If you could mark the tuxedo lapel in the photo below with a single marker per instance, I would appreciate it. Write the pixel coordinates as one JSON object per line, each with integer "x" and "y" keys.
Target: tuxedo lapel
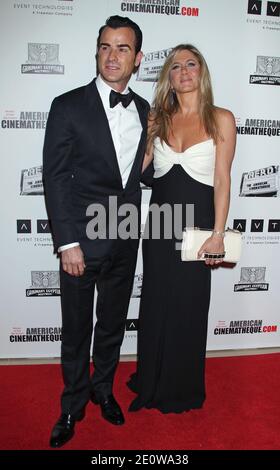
{"x": 101, "y": 129}
{"x": 141, "y": 111}
{"x": 102, "y": 134}
{"x": 142, "y": 142}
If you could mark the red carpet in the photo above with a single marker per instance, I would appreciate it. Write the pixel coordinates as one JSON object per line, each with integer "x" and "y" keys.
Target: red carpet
{"x": 242, "y": 410}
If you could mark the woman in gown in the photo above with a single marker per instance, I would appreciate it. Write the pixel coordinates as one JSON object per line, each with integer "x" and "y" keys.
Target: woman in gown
{"x": 191, "y": 143}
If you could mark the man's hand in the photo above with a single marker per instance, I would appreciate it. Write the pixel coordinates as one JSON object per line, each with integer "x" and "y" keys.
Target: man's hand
{"x": 73, "y": 261}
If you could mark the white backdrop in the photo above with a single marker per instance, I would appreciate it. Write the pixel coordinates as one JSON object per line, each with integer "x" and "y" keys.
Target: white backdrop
{"x": 47, "y": 47}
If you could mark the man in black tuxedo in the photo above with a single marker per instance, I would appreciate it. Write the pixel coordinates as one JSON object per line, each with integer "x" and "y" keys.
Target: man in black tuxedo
{"x": 94, "y": 147}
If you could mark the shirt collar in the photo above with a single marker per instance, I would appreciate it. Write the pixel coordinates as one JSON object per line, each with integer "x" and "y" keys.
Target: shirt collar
{"x": 104, "y": 90}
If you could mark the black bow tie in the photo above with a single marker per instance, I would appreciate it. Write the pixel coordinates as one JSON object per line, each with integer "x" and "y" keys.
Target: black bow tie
{"x": 116, "y": 98}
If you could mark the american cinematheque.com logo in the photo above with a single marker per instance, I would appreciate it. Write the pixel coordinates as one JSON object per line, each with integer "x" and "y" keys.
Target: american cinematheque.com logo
{"x": 263, "y": 182}
{"x": 267, "y": 71}
{"x": 251, "y": 279}
{"x": 158, "y": 7}
{"x": 43, "y": 59}
{"x": 35, "y": 334}
{"x": 24, "y": 119}
{"x": 241, "y": 327}
{"x": 257, "y": 126}
{"x": 44, "y": 284}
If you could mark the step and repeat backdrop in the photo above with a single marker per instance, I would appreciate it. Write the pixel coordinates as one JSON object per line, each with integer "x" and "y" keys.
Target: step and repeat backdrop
{"x": 48, "y": 47}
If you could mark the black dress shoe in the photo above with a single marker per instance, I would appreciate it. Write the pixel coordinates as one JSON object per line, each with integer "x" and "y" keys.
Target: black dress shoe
{"x": 63, "y": 429}
{"x": 110, "y": 409}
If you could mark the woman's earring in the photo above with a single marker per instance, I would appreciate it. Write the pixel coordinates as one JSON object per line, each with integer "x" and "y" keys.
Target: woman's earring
{"x": 172, "y": 96}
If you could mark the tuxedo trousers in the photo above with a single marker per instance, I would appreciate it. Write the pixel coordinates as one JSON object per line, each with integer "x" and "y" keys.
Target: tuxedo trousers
{"x": 113, "y": 277}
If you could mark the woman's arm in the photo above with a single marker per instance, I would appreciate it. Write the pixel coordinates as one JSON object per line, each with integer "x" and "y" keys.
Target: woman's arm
{"x": 147, "y": 159}
{"x": 150, "y": 148}
{"x": 224, "y": 156}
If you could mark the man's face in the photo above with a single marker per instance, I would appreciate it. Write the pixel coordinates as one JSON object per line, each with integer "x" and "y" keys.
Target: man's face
{"x": 116, "y": 56}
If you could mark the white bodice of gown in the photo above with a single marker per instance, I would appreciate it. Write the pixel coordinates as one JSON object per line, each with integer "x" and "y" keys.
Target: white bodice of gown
{"x": 198, "y": 160}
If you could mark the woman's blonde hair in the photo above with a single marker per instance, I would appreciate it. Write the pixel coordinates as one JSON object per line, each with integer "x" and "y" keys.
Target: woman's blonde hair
{"x": 165, "y": 103}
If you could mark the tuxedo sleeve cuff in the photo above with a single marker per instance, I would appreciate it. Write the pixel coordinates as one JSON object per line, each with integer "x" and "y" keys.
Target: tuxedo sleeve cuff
{"x": 66, "y": 247}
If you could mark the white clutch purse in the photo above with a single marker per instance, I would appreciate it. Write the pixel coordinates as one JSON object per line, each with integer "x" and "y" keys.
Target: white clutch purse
{"x": 193, "y": 239}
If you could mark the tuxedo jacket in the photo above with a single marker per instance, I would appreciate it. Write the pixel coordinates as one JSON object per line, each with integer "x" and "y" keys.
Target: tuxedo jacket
{"x": 80, "y": 167}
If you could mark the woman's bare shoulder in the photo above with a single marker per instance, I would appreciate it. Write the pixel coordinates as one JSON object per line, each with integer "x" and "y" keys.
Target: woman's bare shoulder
{"x": 224, "y": 116}
{"x": 226, "y": 124}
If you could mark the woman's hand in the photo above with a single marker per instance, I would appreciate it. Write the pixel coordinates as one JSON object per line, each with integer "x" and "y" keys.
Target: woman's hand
{"x": 213, "y": 244}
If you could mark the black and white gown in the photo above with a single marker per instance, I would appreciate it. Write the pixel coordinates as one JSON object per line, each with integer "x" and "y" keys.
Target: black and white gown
{"x": 175, "y": 294}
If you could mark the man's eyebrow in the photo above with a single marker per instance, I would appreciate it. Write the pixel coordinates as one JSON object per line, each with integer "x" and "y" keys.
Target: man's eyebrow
{"x": 118, "y": 45}
{"x": 124, "y": 45}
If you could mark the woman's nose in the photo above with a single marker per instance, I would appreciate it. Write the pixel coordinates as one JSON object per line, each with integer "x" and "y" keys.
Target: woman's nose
{"x": 184, "y": 68}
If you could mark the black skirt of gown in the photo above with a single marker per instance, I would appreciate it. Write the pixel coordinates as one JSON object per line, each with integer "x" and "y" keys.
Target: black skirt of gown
{"x": 174, "y": 307}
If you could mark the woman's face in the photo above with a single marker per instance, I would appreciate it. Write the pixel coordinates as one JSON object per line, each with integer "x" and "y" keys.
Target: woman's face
{"x": 184, "y": 72}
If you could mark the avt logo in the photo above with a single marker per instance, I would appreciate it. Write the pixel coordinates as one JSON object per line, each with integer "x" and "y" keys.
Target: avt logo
{"x": 273, "y": 9}
{"x": 24, "y": 226}
{"x": 257, "y": 225}
{"x": 43, "y": 226}
{"x": 255, "y": 8}
{"x": 239, "y": 224}
{"x": 274, "y": 225}
{"x": 131, "y": 324}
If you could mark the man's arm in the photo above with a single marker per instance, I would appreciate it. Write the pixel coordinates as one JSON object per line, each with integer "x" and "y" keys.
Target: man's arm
{"x": 57, "y": 174}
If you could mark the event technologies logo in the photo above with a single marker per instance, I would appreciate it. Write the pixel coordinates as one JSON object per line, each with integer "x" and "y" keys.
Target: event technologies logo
{"x": 43, "y": 59}
{"x": 56, "y": 7}
{"x": 44, "y": 284}
{"x": 43, "y": 236}
{"x": 261, "y": 232}
{"x": 264, "y": 14}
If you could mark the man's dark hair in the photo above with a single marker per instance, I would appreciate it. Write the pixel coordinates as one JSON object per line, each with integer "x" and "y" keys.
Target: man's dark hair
{"x": 122, "y": 22}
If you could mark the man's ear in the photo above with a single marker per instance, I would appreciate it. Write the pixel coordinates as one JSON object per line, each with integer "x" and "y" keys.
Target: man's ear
{"x": 138, "y": 58}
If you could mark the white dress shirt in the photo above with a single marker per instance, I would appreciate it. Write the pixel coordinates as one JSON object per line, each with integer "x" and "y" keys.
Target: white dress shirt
{"x": 125, "y": 127}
